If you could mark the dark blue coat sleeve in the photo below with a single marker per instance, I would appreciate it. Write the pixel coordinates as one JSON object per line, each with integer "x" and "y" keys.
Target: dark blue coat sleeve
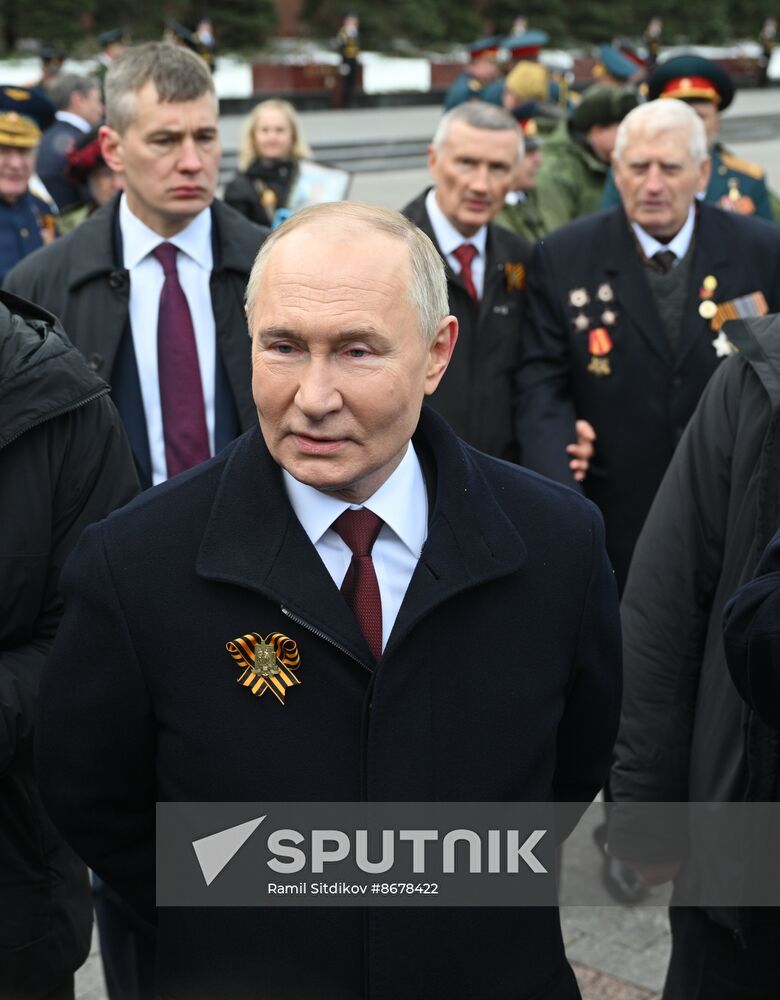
{"x": 751, "y": 635}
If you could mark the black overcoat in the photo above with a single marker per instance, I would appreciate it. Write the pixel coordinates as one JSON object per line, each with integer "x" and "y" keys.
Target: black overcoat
{"x": 475, "y": 395}
{"x": 640, "y": 408}
{"x": 81, "y": 279}
{"x": 500, "y": 681}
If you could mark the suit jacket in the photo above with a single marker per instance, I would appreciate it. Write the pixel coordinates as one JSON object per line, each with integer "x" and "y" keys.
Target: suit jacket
{"x": 151, "y": 599}
{"x": 82, "y": 280}
{"x": 637, "y": 395}
{"x": 475, "y": 395}
{"x": 50, "y": 163}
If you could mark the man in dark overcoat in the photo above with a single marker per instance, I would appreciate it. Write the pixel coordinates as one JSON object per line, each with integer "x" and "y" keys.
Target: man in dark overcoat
{"x": 625, "y": 309}
{"x": 470, "y": 653}
{"x": 107, "y": 284}
{"x": 472, "y": 160}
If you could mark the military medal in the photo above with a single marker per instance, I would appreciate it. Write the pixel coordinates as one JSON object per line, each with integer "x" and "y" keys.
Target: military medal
{"x": 609, "y": 317}
{"x": 707, "y": 309}
{"x": 605, "y": 293}
{"x": 579, "y": 298}
{"x": 723, "y": 346}
{"x": 600, "y": 345}
{"x": 581, "y": 322}
{"x": 267, "y": 663}
{"x": 708, "y": 287}
{"x": 742, "y": 308}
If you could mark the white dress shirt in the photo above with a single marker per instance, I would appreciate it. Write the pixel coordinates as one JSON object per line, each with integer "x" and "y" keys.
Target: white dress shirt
{"x": 679, "y": 245}
{"x": 72, "y": 119}
{"x": 449, "y": 239}
{"x": 193, "y": 264}
{"x": 401, "y": 502}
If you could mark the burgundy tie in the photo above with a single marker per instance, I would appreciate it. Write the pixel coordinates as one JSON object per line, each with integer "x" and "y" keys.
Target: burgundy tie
{"x": 181, "y": 393}
{"x": 465, "y": 254}
{"x": 359, "y": 528}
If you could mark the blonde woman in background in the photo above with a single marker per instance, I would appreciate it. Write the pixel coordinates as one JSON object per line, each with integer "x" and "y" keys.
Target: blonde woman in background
{"x": 272, "y": 143}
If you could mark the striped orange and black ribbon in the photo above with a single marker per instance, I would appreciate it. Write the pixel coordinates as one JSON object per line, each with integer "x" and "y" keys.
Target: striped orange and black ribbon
{"x": 288, "y": 660}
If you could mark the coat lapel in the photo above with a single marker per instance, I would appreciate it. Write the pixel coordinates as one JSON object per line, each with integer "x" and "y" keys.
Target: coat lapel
{"x": 254, "y": 540}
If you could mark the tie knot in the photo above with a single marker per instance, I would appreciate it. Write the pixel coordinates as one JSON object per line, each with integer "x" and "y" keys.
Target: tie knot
{"x": 358, "y": 528}
{"x": 465, "y": 254}
{"x": 166, "y": 254}
{"x": 665, "y": 259}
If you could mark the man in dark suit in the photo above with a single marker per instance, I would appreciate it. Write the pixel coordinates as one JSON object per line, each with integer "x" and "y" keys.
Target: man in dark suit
{"x": 79, "y": 109}
{"x": 472, "y": 160}
{"x": 625, "y": 310}
{"x": 171, "y": 340}
{"x": 482, "y": 602}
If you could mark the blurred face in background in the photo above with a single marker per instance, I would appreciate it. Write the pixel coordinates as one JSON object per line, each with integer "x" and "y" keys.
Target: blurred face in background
{"x": 16, "y": 167}
{"x": 525, "y": 175}
{"x": 273, "y": 135}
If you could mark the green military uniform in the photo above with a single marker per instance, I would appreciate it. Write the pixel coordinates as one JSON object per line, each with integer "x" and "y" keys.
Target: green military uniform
{"x": 571, "y": 179}
{"x": 524, "y": 216}
{"x": 741, "y": 183}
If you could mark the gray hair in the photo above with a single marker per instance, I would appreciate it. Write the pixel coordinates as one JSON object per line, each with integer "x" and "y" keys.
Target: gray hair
{"x": 427, "y": 291}
{"x": 64, "y": 86}
{"x": 666, "y": 114}
{"x": 177, "y": 75}
{"x": 478, "y": 114}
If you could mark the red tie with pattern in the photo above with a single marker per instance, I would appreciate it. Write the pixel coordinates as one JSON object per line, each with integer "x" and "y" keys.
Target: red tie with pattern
{"x": 359, "y": 528}
{"x": 181, "y": 392}
{"x": 465, "y": 254}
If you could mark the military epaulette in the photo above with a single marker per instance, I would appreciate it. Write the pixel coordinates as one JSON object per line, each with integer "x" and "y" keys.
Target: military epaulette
{"x": 743, "y": 166}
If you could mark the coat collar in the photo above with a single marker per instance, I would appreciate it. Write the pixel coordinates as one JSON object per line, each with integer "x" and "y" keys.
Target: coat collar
{"x": 96, "y": 247}
{"x": 253, "y": 539}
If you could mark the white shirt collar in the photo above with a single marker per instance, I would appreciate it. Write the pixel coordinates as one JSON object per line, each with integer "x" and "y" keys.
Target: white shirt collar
{"x": 72, "y": 119}
{"x": 679, "y": 245}
{"x": 401, "y": 501}
{"x": 447, "y": 236}
{"x": 138, "y": 240}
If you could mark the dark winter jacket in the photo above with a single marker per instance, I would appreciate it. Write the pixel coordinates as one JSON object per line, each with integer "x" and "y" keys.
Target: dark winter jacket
{"x": 64, "y": 462}
{"x": 685, "y": 733}
{"x": 261, "y": 189}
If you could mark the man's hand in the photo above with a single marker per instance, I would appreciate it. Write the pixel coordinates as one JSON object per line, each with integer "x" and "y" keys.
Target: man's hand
{"x": 582, "y": 450}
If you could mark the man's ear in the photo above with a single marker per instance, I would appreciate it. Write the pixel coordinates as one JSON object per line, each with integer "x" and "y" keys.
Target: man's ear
{"x": 440, "y": 352}
{"x": 111, "y": 148}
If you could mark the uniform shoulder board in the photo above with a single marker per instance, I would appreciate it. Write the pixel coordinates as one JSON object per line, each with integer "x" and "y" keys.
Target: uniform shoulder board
{"x": 743, "y": 166}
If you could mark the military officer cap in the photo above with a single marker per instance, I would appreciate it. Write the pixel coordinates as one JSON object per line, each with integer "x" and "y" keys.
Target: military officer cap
{"x": 602, "y": 104}
{"x": 692, "y": 78}
{"x": 24, "y": 114}
{"x": 526, "y": 46}
{"x": 485, "y": 48}
{"x": 613, "y": 62}
{"x": 110, "y": 37}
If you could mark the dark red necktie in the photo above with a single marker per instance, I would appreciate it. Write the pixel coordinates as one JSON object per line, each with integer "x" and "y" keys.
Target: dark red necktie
{"x": 465, "y": 254}
{"x": 181, "y": 392}
{"x": 359, "y": 528}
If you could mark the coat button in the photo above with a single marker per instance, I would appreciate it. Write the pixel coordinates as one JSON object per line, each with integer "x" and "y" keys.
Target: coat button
{"x": 95, "y": 362}
{"x": 117, "y": 279}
